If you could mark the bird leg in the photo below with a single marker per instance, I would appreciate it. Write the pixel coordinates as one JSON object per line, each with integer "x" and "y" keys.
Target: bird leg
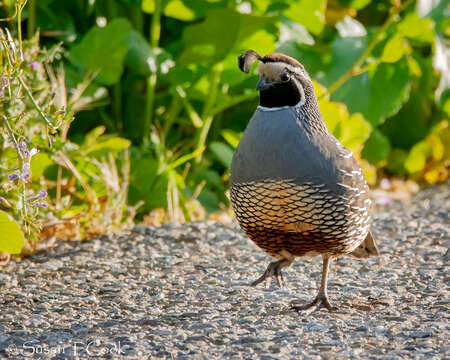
{"x": 274, "y": 269}
{"x": 321, "y": 299}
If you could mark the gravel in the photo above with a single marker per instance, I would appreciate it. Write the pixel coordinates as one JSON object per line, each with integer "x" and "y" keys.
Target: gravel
{"x": 180, "y": 292}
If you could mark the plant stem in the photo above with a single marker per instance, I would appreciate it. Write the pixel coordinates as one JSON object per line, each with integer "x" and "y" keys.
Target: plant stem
{"x": 208, "y": 110}
{"x": 19, "y": 26}
{"x": 155, "y": 33}
{"x": 31, "y": 25}
{"x": 117, "y": 106}
{"x": 35, "y": 104}
{"x": 155, "y": 26}
{"x": 23, "y": 210}
{"x": 355, "y": 70}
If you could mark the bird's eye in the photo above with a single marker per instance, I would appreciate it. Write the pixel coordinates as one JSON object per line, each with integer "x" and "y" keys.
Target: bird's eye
{"x": 285, "y": 77}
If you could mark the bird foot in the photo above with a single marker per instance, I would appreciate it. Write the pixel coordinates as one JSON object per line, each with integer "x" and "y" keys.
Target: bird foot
{"x": 321, "y": 301}
{"x": 273, "y": 270}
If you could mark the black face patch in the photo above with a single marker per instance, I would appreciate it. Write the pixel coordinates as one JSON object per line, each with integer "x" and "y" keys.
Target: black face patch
{"x": 280, "y": 94}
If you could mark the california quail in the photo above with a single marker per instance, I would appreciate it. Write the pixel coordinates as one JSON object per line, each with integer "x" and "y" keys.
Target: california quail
{"x": 295, "y": 189}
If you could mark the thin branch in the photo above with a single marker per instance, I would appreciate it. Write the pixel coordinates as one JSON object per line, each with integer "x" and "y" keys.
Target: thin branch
{"x": 355, "y": 70}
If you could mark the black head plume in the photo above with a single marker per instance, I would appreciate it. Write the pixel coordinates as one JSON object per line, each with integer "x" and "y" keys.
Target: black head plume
{"x": 247, "y": 59}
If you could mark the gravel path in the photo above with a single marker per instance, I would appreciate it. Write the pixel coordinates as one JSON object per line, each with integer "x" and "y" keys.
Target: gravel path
{"x": 180, "y": 292}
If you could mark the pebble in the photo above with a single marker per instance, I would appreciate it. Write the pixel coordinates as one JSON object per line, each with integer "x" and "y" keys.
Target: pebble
{"x": 181, "y": 292}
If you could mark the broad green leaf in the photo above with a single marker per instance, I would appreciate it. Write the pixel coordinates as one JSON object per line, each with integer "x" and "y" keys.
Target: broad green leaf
{"x": 333, "y": 113}
{"x": 103, "y": 50}
{"x": 350, "y": 27}
{"x": 143, "y": 59}
{"x": 39, "y": 163}
{"x": 417, "y": 28}
{"x": 309, "y": 13}
{"x": 417, "y": 157}
{"x": 354, "y": 132}
{"x": 294, "y": 31}
{"x": 212, "y": 39}
{"x": 389, "y": 89}
{"x": 146, "y": 185}
{"x": 395, "y": 48}
{"x": 377, "y": 94}
{"x": 377, "y": 148}
{"x": 225, "y": 31}
{"x": 345, "y": 52}
{"x": 11, "y": 237}
{"x": 223, "y": 152}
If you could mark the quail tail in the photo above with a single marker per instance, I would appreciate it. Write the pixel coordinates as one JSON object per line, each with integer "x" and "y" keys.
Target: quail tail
{"x": 274, "y": 270}
{"x": 321, "y": 299}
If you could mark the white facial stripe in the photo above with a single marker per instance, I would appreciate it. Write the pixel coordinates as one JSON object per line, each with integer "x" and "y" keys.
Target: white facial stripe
{"x": 302, "y": 92}
{"x": 264, "y": 108}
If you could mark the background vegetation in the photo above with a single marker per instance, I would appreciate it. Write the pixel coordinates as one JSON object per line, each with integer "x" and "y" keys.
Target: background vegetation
{"x": 114, "y": 108}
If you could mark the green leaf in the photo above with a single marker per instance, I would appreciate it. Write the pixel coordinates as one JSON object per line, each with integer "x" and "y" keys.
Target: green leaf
{"x": 146, "y": 185}
{"x": 177, "y": 10}
{"x": 396, "y": 161}
{"x": 417, "y": 28}
{"x": 309, "y": 13}
{"x": 11, "y": 237}
{"x": 223, "y": 152}
{"x": 345, "y": 53}
{"x": 354, "y": 132}
{"x": 377, "y": 94}
{"x": 224, "y": 31}
{"x": 417, "y": 157}
{"x": 39, "y": 163}
{"x": 103, "y": 50}
{"x": 143, "y": 59}
{"x": 395, "y": 48}
{"x": 376, "y": 148}
{"x": 294, "y": 31}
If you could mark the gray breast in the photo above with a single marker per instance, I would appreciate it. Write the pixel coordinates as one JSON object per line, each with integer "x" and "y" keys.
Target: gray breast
{"x": 276, "y": 146}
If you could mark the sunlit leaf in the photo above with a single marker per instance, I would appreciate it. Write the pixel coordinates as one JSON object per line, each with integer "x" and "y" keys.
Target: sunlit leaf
{"x": 395, "y": 48}
{"x": 354, "y": 132}
{"x": 309, "y": 13}
{"x": 11, "y": 237}
{"x": 350, "y": 27}
{"x": 417, "y": 28}
{"x": 294, "y": 31}
{"x": 417, "y": 157}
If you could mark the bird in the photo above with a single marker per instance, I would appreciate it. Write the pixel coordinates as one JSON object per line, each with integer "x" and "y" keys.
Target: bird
{"x": 294, "y": 188}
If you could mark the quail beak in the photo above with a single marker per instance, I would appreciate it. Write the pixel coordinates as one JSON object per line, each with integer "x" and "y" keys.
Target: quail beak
{"x": 262, "y": 84}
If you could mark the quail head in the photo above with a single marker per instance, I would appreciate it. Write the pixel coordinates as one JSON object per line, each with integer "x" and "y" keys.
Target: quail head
{"x": 295, "y": 190}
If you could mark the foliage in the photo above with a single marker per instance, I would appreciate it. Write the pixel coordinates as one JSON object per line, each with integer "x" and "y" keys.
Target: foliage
{"x": 161, "y": 75}
{"x": 88, "y": 195}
